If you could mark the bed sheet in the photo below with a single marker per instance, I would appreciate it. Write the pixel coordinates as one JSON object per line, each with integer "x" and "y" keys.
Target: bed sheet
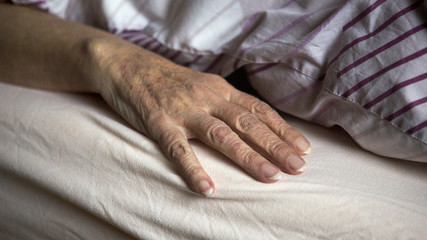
{"x": 70, "y": 168}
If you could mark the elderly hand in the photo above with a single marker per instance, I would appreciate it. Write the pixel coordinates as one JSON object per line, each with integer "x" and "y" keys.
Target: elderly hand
{"x": 172, "y": 104}
{"x": 169, "y": 103}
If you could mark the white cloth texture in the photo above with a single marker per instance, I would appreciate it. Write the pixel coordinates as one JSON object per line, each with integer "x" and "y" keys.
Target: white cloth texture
{"x": 70, "y": 168}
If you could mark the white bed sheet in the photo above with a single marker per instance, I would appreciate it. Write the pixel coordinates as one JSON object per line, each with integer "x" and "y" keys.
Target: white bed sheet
{"x": 70, "y": 168}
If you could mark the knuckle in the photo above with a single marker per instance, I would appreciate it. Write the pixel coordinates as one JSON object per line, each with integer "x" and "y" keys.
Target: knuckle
{"x": 261, "y": 108}
{"x": 213, "y": 77}
{"x": 219, "y": 133}
{"x": 98, "y": 48}
{"x": 265, "y": 136}
{"x": 191, "y": 169}
{"x": 201, "y": 93}
{"x": 236, "y": 145}
{"x": 278, "y": 147}
{"x": 199, "y": 87}
{"x": 284, "y": 129}
{"x": 178, "y": 151}
{"x": 156, "y": 130}
{"x": 250, "y": 158}
{"x": 246, "y": 122}
{"x": 289, "y": 133}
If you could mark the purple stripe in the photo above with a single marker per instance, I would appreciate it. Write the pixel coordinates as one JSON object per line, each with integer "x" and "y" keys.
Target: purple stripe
{"x": 363, "y": 14}
{"x": 39, "y": 5}
{"x": 299, "y": 47}
{"x": 262, "y": 68}
{"x": 159, "y": 45}
{"x": 164, "y": 53}
{"x": 214, "y": 63}
{"x": 143, "y": 41}
{"x": 146, "y": 45}
{"x": 406, "y": 108}
{"x": 299, "y": 91}
{"x": 210, "y": 21}
{"x": 384, "y": 70}
{"x": 254, "y": 16}
{"x": 394, "y": 89}
{"x": 382, "y": 48}
{"x": 294, "y": 94}
{"x": 417, "y": 128}
{"x": 175, "y": 55}
{"x": 36, "y": 3}
{"x": 250, "y": 21}
{"x": 131, "y": 31}
{"x": 195, "y": 60}
{"x": 379, "y": 29}
{"x": 137, "y": 39}
{"x": 284, "y": 30}
{"x": 128, "y": 36}
{"x": 324, "y": 109}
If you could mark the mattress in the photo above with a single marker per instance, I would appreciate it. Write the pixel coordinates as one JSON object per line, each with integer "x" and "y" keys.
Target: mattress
{"x": 71, "y": 168}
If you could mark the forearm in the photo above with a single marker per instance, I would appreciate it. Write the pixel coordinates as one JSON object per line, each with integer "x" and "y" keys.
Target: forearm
{"x": 41, "y": 50}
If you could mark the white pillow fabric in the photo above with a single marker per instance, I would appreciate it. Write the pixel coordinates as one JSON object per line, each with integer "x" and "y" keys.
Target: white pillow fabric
{"x": 356, "y": 64}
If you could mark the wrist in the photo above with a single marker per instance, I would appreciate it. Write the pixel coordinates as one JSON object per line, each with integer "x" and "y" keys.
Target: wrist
{"x": 114, "y": 63}
{"x": 93, "y": 63}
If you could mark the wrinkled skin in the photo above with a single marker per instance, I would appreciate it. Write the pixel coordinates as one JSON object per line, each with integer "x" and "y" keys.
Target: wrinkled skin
{"x": 167, "y": 102}
{"x": 172, "y": 104}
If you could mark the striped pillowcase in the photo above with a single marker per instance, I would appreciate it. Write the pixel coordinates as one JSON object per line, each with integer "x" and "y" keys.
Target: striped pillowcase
{"x": 373, "y": 82}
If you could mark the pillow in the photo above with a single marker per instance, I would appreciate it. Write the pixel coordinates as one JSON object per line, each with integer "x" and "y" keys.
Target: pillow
{"x": 372, "y": 81}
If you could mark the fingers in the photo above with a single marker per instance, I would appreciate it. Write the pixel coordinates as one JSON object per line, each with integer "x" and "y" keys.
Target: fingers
{"x": 175, "y": 145}
{"x": 216, "y": 134}
{"x": 255, "y": 132}
{"x": 273, "y": 120}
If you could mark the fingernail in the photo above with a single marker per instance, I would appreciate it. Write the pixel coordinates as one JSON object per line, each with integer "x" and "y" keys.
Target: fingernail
{"x": 302, "y": 145}
{"x": 205, "y": 188}
{"x": 270, "y": 172}
{"x": 296, "y": 163}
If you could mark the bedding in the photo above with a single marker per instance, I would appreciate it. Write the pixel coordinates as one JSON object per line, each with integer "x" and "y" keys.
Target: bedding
{"x": 70, "y": 168}
{"x": 356, "y": 64}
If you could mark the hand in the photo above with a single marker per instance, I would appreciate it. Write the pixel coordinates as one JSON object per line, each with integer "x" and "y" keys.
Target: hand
{"x": 172, "y": 104}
